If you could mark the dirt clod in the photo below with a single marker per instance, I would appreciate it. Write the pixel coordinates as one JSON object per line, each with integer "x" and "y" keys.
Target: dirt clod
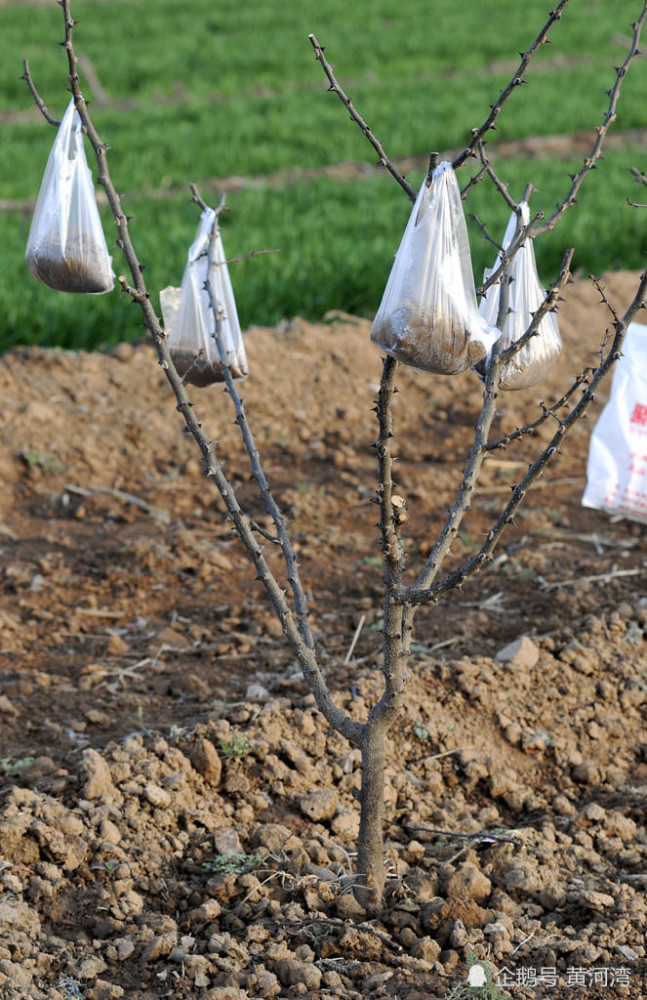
{"x": 521, "y": 653}
{"x": 95, "y": 771}
{"x": 206, "y": 761}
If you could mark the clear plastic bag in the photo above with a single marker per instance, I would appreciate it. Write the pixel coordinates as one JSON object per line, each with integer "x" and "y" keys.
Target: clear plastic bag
{"x": 617, "y": 468}
{"x": 525, "y": 295}
{"x": 189, "y": 319}
{"x": 66, "y": 248}
{"x": 428, "y": 317}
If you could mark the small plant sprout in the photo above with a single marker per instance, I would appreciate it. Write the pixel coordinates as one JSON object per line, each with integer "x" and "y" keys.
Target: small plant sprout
{"x": 10, "y": 766}
{"x": 236, "y": 748}
{"x": 238, "y": 864}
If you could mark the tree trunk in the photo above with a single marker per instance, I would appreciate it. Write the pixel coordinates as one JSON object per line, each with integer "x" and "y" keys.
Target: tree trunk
{"x": 370, "y": 846}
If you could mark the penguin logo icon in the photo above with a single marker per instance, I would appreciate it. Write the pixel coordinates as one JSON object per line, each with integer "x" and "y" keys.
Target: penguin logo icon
{"x": 476, "y": 976}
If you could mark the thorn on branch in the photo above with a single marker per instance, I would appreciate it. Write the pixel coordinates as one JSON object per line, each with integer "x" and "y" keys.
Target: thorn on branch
{"x": 589, "y": 163}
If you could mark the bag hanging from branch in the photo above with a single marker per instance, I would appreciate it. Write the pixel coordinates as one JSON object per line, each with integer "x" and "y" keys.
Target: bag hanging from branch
{"x": 66, "y": 248}
{"x": 617, "y": 468}
{"x": 525, "y": 295}
{"x": 189, "y": 317}
{"x": 428, "y": 317}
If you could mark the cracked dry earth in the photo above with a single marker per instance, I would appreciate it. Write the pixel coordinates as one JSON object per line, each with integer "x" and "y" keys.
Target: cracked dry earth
{"x": 176, "y": 820}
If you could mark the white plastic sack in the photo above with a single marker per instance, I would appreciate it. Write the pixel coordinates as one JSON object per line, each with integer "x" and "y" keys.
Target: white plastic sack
{"x": 66, "y": 248}
{"x": 525, "y": 295}
{"x": 617, "y": 467}
{"x": 189, "y": 319}
{"x": 428, "y": 317}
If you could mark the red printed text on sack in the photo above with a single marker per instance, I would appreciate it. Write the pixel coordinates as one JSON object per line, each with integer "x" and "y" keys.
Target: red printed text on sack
{"x": 639, "y": 414}
{"x": 637, "y": 464}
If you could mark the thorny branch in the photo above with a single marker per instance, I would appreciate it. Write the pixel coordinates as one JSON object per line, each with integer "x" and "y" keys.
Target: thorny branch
{"x": 547, "y": 412}
{"x": 640, "y": 178}
{"x": 484, "y": 229}
{"x": 499, "y": 185}
{"x": 476, "y": 141}
{"x": 201, "y": 203}
{"x": 34, "y": 93}
{"x": 248, "y": 256}
{"x": 477, "y": 133}
{"x": 604, "y": 298}
{"x": 532, "y": 231}
{"x": 253, "y": 454}
{"x": 523, "y": 233}
{"x": 213, "y": 468}
{"x": 479, "y": 448}
{"x": 535, "y": 470}
{"x": 595, "y": 154}
{"x": 196, "y": 197}
{"x": 406, "y": 598}
{"x": 583, "y": 378}
{"x": 391, "y": 515}
{"x": 282, "y": 538}
{"x": 548, "y": 305}
{"x": 516, "y": 81}
{"x": 356, "y": 117}
{"x": 473, "y": 181}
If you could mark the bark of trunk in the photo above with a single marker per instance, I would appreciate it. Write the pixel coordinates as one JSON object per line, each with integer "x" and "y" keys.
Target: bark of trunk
{"x": 370, "y": 845}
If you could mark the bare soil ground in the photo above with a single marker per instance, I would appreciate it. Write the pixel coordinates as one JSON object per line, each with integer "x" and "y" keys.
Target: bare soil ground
{"x": 175, "y": 818}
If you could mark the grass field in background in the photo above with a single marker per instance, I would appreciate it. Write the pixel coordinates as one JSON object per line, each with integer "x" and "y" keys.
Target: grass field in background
{"x": 198, "y": 93}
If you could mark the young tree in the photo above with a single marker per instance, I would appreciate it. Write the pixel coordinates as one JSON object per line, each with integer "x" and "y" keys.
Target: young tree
{"x": 401, "y": 598}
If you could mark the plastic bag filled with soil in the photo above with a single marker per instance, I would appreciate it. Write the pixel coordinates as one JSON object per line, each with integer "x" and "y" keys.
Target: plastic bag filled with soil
{"x": 189, "y": 318}
{"x": 525, "y": 294}
{"x": 66, "y": 248}
{"x": 429, "y": 317}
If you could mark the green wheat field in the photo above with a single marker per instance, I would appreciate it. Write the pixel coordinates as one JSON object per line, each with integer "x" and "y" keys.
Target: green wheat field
{"x": 229, "y": 96}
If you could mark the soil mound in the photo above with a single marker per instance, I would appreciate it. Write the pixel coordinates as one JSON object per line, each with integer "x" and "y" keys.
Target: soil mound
{"x": 176, "y": 820}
